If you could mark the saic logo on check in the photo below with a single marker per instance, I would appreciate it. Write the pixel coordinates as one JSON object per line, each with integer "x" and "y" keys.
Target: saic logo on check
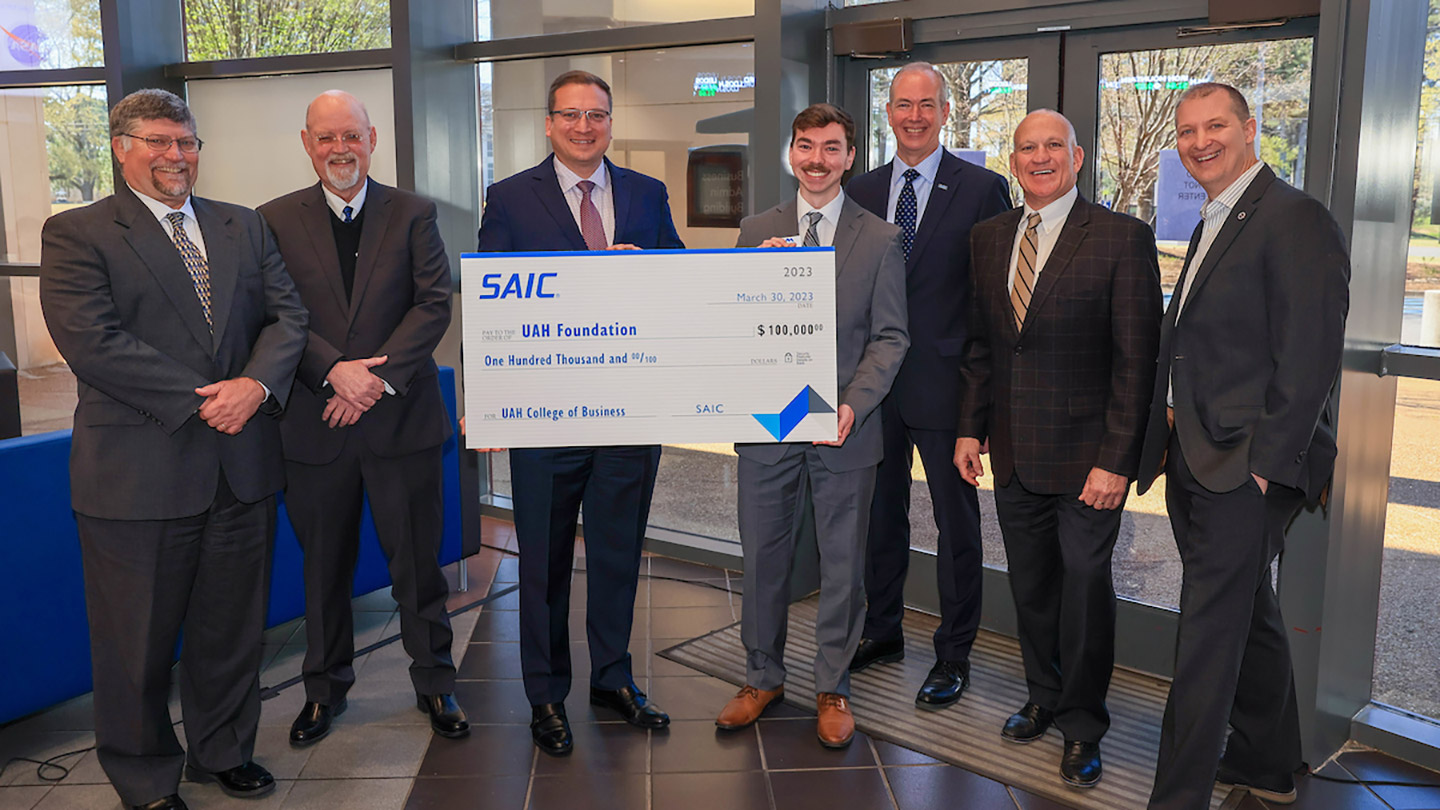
{"x": 805, "y": 403}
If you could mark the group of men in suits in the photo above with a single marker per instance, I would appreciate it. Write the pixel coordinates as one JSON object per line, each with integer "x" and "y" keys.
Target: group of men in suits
{"x": 209, "y": 376}
{"x": 218, "y": 360}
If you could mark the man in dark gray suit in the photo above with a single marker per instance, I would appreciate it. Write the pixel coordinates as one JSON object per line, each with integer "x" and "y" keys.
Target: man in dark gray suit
{"x": 184, "y": 332}
{"x": 839, "y": 476}
{"x": 1249, "y": 352}
{"x": 366, "y": 417}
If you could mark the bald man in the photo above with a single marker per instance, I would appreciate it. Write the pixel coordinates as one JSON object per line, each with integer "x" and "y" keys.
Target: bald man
{"x": 366, "y": 416}
{"x": 1057, "y": 377}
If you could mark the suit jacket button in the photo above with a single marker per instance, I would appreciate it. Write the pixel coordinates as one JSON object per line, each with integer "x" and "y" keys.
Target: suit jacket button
{"x": 1300, "y": 458}
{"x": 1019, "y": 349}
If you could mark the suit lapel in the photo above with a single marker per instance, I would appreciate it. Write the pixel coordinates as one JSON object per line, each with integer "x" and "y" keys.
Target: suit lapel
{"x": 620, "y": 194}
{"x": 1072, "y": 233}
{"x": 222, "y": 254}
{"x": 846, "y": 231}
{"x": 942, "y": 191}
{"x": 1234, "y": 224}
{"x": 995, "y": 274}
{"x": 315, "y": 217}
{"x": 147, "y": 237}
{"x": 1169, "y": 319}
{"x": 372, "y": 234}
{"x": 547, "y": 189}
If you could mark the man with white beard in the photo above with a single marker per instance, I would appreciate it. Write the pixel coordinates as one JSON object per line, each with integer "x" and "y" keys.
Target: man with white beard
{"x": 366, "y": 415}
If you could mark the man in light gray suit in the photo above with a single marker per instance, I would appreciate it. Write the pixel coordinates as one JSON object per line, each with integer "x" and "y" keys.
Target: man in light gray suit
{"x": 838, "y": 476}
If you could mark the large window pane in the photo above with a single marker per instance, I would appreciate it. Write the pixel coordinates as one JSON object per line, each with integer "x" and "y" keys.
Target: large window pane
{"x": 1139, "y": 171}
{"x": 498, "y": 19}
{"x": 668, "y": 104}
{"x": 54, "y": 155}
{"x": 987, "y": 101}
{"x": 1409, "y": 623}
{"x": 41, "y": 34}
{"x": 251, "y": 129}
{"x": 225, "y": 29}
{"x": 1420, "y": 325}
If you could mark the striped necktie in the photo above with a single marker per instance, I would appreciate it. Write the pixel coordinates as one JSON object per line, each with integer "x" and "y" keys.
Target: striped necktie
{"x": 1025, "y": 271}
{"x": 194, "y": 262}
{"x": 812, "y": 235}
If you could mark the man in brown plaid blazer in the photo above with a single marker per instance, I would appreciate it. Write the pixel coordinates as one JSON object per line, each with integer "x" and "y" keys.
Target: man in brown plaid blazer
{"x": 1057, "y": 377}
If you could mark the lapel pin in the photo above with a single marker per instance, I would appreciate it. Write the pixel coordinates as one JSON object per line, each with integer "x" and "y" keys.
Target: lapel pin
{"x": 1240, "y": 215}
{"x": 943, "y": 187}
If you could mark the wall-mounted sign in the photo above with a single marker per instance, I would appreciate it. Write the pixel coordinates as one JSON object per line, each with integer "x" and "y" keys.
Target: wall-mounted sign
{"x": 1177, "y": 199}
{"x": 715, "y": 187}
{"x": 712, "y": 84}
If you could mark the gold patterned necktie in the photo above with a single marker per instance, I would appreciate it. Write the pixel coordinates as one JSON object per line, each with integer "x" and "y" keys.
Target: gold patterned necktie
{"x": 1025, "y": 271}
{"x": 194, "y": 262}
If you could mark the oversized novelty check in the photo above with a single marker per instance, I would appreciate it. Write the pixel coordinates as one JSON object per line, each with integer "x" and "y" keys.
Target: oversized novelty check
{"x": 649, "y": 347}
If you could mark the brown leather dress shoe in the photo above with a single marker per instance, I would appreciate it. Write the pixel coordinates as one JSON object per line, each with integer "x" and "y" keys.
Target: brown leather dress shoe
{"x": 746, "y": 707}
{"x": 836, "y": 726}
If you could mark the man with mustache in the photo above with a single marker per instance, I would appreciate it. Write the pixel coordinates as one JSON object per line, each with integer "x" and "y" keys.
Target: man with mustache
{"x": 366, "y": 417}
{"x": 837, "y": 477}
{"x": 184, "y": 332}
{"x": 1057, "y": 377}
{"x": 1240, "y": 424}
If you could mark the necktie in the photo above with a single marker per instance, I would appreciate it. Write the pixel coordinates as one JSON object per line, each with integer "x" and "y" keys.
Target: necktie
{"x": 194, "y": 262}
{"x": 591, "y": 226}
{"x": 812, "y": 236}
{"x": 1025, "y": 271}
{"x": 348, "y": 211}
{"x": 906, "y": 210}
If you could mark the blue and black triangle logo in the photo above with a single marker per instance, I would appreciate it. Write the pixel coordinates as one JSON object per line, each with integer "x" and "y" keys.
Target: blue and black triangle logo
{"x": 805, "y": 403}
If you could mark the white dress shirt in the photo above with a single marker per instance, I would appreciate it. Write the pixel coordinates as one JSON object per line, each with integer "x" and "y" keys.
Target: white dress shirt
{"x": 829, "y": 218}
{"x": 1052, "y": 220}
{"x": 190, "y": 225}
{"x": 337, "y": 203}
{"x": 922, "y": 184}
{"x": 603, "y": 196}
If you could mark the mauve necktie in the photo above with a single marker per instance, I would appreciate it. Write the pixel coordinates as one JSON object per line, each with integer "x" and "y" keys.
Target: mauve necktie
{"x": 590, "y": 225}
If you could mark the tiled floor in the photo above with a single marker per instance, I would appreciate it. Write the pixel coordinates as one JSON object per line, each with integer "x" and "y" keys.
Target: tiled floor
{"x": 382, "y": 756}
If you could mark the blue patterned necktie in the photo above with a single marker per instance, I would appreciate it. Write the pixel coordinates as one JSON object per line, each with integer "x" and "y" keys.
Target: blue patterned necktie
{"x": 812, "y": 235}
{"x": 906, "y": 209}
{"x": 194, "y": 262}
{"x": 349, "y": 212}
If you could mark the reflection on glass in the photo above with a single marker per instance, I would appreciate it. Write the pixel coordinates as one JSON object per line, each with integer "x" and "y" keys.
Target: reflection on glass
{"x": 1420, "y": 325}
{"x": 1409, "y": 625}
{"x": 224, "y": 29}
{"x": 45, "y": 34}
{"x": 498, "y": 19}
{"x": 987, "y": 102}
{"x": 1139, "y": 171}
{"x": 672, "y": 107}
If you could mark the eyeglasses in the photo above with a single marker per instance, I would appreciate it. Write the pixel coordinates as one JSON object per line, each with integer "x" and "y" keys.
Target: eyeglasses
{"x": 161, "y": 143}
{"x": 597, "y": 117}
{"x": 348, "y": 139}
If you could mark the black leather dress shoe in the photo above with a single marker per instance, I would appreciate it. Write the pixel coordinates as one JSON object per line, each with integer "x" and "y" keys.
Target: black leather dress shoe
{"x": 171, "y": 802}
{"x": 944, "y": 685}
{"x": 1080, "y": 764}
{"x": 313, "y": 723}
{"x": 550, "y": 729}
{"x": 1275, "y": 789}
{"x": 632, "y": 705}
{"x": 446, "y": 717}
{"x": 872, "y": 651}
{"x": 1027, "y": 725}
{"x": 248, "y": 781}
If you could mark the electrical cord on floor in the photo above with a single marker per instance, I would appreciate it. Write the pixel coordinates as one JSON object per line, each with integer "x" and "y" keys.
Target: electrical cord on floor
{"x": 50, "y": 771}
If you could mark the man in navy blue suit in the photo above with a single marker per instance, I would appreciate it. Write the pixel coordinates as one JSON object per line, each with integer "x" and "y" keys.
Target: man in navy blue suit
{"x": 934, "y": 197}
{"x": 576, "y": 199}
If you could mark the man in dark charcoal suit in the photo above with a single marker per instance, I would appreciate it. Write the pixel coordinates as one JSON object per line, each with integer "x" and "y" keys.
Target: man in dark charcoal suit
{"x": 184, "y": 331}
{"x": 1057, "y": 376}
{"x": 576, "y": 199}
{"x": 366, "y": 416}
{"x": 935, "y": 198}
{"x": 838, "y": 478}
{"x": 1249, "y": 352}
